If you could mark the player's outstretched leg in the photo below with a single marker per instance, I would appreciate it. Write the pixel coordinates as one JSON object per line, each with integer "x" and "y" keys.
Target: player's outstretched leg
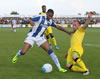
{"x": 62, "y": 70}
{"x": 46, "y": 47}
{"x": 80, "y": 63}
{"x": 15, "y": 58}
{"x": 78, "y": 66}
{"x": 75, "y": 68}
{"x": 21, "y": 52}
{"x": 56, "y": 61}
{"x": 76, "y": 58}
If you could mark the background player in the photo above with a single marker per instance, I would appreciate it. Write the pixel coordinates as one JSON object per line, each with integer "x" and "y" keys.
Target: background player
{"x": 49, "y": 31}
{"x": 36, "y": 35}
{"x": 13, "y": 24}
{"x": 74, "y": 61}
{"x": 43, "y": 10}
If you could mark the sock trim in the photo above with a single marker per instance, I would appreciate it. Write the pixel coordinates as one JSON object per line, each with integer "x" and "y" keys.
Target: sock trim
{"x": 21, "y": 52}
{"x": 76, "y": 59}
{"x": 70, "y": 67}
{"x": 50, "y": 51}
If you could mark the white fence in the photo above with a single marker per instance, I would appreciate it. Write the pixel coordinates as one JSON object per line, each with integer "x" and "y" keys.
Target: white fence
{"x": 9, "y": 25}
{"x": 19, "y": 25}
{"x": 94, "y": 25}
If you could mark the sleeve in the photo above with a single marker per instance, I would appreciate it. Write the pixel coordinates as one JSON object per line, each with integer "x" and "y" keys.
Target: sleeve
{"x": 37, "y": 18}
{"x": 53, "y": 24}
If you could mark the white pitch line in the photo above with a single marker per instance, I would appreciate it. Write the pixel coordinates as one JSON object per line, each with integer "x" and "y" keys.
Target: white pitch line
{"x": 92, "y": 45}
{"x": 92, "y": 31}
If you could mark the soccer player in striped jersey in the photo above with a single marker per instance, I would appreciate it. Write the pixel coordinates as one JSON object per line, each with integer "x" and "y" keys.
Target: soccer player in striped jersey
{"x": 36, "y": 35}
{"x": 49, "y": 30}
{"x": 74, "y": 61}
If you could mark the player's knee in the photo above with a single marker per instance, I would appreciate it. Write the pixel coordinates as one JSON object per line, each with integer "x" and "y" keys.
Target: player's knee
{"x": 47, "y": 36}
{"x": 75, "y": 58}
{"x": 69, "y": 66}
{"x": 48, "y": 48}
{"x": 51, "y": 35}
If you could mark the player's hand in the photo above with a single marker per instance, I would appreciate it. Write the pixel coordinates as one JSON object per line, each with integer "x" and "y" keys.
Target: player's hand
{"x": 90, "y": 14}
{"x": 31, "y": 22}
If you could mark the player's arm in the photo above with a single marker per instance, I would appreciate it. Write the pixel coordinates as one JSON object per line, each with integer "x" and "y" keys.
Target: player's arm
{"x": 60, "y": 28}
{"x": 87, "y": 21}
{"x": 33, "y": 20}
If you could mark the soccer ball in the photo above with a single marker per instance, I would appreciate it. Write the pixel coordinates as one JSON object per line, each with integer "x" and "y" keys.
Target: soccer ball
{"x": 47, "y": 68}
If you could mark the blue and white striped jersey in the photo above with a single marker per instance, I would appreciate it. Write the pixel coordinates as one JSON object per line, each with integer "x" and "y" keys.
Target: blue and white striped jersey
{"x": 41, "y": 24}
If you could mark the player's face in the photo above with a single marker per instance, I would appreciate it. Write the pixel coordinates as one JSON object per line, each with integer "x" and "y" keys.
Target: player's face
{"x": 44, "y": 9}
{"x": 75, "y": 25}
{"x": 49, "y": 16}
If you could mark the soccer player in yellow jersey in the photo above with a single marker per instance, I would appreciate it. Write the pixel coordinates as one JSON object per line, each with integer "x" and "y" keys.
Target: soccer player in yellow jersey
{"x": 49, "y": 30}
{"x": 74, "y": 61}
{"x": 43, "y": 10}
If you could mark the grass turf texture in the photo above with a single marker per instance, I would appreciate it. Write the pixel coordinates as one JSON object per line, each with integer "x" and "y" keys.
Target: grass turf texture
{"x": 29, "y": 66}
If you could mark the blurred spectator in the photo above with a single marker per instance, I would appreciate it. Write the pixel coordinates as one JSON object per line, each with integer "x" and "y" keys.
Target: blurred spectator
{"x": 58, "y": 20}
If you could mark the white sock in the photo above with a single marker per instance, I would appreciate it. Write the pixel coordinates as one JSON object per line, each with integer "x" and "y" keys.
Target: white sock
{"x": 14, "y": 30}
{"x": 19, "y": 53}
{"x": 55, "y": 59}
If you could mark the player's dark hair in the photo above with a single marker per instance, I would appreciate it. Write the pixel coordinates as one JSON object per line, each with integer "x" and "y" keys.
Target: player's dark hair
{"x": 43, "y": 6}
{"x": 50, "y": 11}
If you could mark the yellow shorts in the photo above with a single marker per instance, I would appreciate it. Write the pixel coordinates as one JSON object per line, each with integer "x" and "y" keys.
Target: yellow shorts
{"x": 49, "y": 30}
{"x": 69, "y": 59}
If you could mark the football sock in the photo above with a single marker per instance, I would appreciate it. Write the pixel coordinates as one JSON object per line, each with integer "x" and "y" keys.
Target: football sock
{"x": 54, "y": 58}
{"x": 81, "y": 64}
{"x": 54, "y": 41}
{"x": 77, "y": 69}
{"x": 14, "y": 30}
{"x": 19, "y": 53}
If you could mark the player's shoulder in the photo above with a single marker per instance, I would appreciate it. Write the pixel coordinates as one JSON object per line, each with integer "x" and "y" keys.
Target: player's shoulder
{"x": 81, "y": 29}
{"x": 40, "y": 17}
{"x": 36, "y": 16}
{"x": 43, "y": 16}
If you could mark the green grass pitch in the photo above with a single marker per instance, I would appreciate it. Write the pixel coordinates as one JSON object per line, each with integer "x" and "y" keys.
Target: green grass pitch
{"x": 29, "y": 66}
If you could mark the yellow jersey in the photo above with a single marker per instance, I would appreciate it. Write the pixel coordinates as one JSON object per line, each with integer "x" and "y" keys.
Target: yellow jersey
{"x": 42, "y": 13}
{"x": 77, "y": 38}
